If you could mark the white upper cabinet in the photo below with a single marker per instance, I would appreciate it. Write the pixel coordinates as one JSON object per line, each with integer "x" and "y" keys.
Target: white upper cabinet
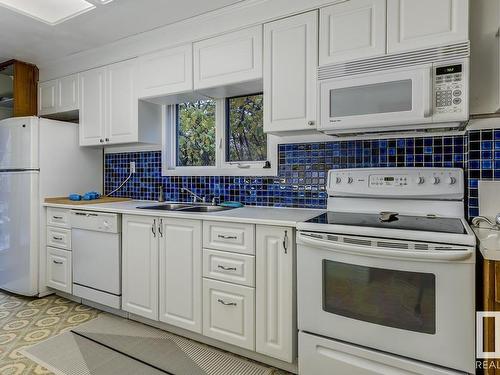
{"x": 228, "y": 59}
{"x": 181, "y": 273}
{"x": 47, "y": 97}
{"x": 110, "y": 111}
{"x": 426, "y": 23}
{"x": 290, "y": 64}
{"x": 57, "y": 96}
{"x": 352, "y": 30}
{"x": 92, "y": 105}
{"x": 121, "y": 103}
{"x": 67, "y": 93}
{"x": 166, "y": 72}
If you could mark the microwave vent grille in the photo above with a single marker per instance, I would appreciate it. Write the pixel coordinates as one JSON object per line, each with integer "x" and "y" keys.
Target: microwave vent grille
{"x": 394, "y": 61}
{"x": 357, "y": 241}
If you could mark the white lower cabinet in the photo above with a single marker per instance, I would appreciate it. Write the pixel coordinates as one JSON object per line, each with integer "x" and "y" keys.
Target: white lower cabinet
{"x": 140, "y": 265}
{"x": 276, "y": 329}
{"x": 181, "y": 273}
{"x": 229, "y": 313}
{"x": 59, "y": 269}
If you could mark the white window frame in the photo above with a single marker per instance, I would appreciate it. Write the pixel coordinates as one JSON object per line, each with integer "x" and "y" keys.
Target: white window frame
{"x": 222, "y": 167}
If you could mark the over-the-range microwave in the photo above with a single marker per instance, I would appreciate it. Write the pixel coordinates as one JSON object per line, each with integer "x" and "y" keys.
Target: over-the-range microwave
{"x": 434, "y": 95}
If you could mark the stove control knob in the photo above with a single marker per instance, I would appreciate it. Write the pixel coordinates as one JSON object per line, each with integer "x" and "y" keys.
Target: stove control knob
{"x": 451, "y": 180}
{"x": 436, "y": 180}
{"x": 420, "y": 180}
{"x": 350, "y": 180}
{"x": 338, "y": 180}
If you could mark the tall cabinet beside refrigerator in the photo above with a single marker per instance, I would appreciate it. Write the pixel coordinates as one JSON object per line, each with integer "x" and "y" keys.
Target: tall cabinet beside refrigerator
{"x": 39, "y": 158}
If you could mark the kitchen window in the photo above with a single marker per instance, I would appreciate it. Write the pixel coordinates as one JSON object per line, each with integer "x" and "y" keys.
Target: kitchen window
{"x": 218, "y": 137}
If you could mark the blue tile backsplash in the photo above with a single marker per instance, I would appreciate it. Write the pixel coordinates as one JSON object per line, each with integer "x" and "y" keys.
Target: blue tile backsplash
{"x": 302, "y": 170}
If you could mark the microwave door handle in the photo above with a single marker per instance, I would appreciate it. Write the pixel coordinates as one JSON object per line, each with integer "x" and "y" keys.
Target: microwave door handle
{"x": 448, "y": 255}
{"x": 428, "y": 93}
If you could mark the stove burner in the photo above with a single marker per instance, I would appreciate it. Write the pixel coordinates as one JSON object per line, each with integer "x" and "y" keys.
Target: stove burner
{"x": 388, "y": 217}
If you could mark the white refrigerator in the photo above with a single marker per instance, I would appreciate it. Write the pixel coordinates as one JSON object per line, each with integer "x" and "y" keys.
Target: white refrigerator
{"x": 39, "y": 158}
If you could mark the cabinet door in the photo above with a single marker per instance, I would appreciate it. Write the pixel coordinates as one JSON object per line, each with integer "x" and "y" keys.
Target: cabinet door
{"x": 230, "y": 58}
{"x": 59, "y": 269}
{"x": 92, "y": 107}
{"x": 47, "y": 96}
{"x": 352, "y": 30}
{"x": 228, "y": 313}
{"x": 140, "y": 266}
{"x": 426, "y": 23}
{"x": 181, "y": 273}
{"x": 67, "y": 93}
{"x": 166, "y": 72}
{"x": 290, "y": 64}
{"x": 122, "y": 124}
{"x": 276, "y": 328}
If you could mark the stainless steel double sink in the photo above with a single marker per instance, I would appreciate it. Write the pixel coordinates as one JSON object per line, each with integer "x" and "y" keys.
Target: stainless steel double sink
{"x": 186, "y": 207}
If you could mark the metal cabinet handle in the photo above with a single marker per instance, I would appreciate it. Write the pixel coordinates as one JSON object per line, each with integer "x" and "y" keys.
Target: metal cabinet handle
{"x": 107, "y": 139}
{"x": 57, "y": 238}
{"x": 224, "y": 237}
{"x": 57, "y": 217}
{"x": 101, "y": 140}
{"x": 311, "y": 123}
{"x": 57, "y": 262}
{"x": 153, "y": 228}
{"x": 159, "y": 228}
{"x": 226, "y": 303}
{"x": 226, "y": 268}
{"x": 285, "y": 242}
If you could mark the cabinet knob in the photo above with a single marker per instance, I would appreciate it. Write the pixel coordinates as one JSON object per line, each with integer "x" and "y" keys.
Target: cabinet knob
{"x": 101, "y": 140}
{"x": 311, "y": 123}
{"x": 107, "y": 139}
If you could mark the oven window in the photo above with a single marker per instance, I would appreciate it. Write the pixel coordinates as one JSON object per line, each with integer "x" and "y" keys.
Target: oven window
{"x": 398, "y": 299}
{"x": 386, "y": 97}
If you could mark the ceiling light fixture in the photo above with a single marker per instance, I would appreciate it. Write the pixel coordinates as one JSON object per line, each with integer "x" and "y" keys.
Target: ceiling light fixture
{"x": 51, "y": 12}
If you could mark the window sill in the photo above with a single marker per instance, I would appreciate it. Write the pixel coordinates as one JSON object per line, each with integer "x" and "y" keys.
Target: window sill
{"x": 206, "y": 171}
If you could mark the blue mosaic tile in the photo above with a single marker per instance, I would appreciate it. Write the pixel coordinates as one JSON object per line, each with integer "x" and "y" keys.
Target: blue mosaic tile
{"x": 302, "y": 169}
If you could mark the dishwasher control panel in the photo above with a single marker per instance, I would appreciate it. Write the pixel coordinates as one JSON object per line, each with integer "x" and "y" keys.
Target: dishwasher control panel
{"x": 95, "y": 221}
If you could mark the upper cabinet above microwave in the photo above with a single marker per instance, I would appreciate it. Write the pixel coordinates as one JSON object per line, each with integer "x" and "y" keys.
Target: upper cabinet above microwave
{"x": 352, "y": 30}
{"x": 360, "y": 29}
{"x": 426, "y": 23}
{"x": 229, "y": 59}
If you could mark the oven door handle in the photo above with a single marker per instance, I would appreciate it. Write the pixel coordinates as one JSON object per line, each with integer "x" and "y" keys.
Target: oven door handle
{"x": 445, "y": 255}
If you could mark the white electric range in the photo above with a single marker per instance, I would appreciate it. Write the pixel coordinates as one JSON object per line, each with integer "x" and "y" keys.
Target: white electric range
{"x": 386, "y": 277}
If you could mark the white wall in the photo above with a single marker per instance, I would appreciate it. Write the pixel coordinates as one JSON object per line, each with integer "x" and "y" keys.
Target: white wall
{"x": 241, "y": 15}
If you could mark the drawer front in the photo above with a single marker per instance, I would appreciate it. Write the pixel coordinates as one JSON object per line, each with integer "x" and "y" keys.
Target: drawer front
{"x": 57, "y": 217}
{"x": 229, "y": 313}
{"x": 59, "y": 269}
{"x": 237, "y": 238}
{"x": 59, "y": 237}
{"x": 231, "y": 267}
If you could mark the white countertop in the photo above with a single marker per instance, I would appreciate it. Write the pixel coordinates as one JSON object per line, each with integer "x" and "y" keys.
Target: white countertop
{"x": 254, "y": 215}
{"x": 488, "y": 242}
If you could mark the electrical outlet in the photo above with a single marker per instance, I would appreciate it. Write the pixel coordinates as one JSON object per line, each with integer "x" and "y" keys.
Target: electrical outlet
{"x": 132, "y": 167}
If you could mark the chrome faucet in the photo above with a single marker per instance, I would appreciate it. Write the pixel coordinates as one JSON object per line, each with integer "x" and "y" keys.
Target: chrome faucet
{"x": 195, "y": 196}
{"x": 493, "y": 225}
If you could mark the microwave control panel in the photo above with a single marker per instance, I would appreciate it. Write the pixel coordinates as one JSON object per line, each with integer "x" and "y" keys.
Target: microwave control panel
{"x": 449, "y": 89}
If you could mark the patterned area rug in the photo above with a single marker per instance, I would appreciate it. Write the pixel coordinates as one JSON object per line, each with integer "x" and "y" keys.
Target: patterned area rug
{"x": 28, "y": 321}
{"x": 103, "y": 347}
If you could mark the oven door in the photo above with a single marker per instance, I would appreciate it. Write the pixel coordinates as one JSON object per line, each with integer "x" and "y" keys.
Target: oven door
{"x": 376, "y": 100}
{"x": 417, "y": 304}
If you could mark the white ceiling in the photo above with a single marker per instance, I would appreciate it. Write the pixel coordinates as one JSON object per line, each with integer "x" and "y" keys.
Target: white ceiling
{"x": 32, "y": 41}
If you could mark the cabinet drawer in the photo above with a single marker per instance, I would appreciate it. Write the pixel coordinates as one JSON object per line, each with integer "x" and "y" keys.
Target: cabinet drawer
{"x": 238, "y": 238}
{"x": 231, "y": 267}
{"x": 59, "y": 269}
{"x": 228, "y": 313}
{"x": 57, "y": 217}
{"x": 59, "y": 237}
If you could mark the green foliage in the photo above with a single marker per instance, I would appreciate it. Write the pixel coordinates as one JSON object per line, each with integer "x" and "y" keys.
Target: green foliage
{"x": 196, "y": 133}
{"x": 247, "y": 141}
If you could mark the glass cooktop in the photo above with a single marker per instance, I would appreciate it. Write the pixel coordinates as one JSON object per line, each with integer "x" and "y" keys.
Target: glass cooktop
{"x": 392, "y": 220}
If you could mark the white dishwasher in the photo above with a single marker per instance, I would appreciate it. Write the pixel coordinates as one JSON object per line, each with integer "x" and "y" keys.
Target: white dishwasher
{"x": 96, "y": 241}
